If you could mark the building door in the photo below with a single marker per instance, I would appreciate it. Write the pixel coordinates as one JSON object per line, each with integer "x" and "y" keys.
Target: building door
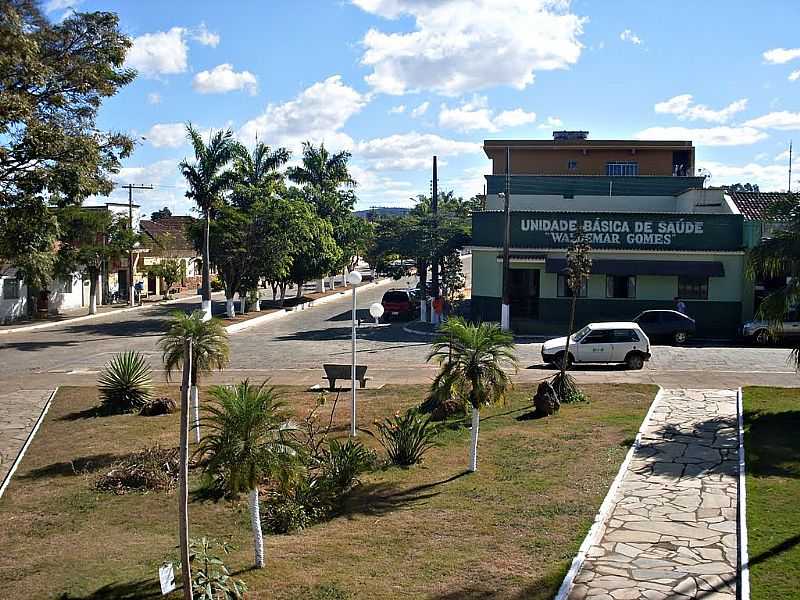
{"x": 524, "y": 293}
{"x": 122, "y": 278}
{"x": 151, "y": 284}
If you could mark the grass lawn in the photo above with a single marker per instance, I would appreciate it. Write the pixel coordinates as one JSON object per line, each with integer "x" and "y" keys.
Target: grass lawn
{"x": 508, "y": 531}
{"x": 772, "y": 452}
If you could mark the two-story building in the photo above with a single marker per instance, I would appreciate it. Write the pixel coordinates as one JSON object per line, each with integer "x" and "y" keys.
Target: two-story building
{"x": 656, "y": 235}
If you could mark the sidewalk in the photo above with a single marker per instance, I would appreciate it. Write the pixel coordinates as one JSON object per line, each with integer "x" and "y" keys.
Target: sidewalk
{"x": 671, "y": 531}
{"x": 19, "y": 412}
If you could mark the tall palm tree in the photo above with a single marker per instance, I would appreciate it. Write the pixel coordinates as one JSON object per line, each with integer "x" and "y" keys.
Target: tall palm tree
{"x": 260, "y": 167}
{"x": 321, "y": 169}
{"x": 249, "y": 440}
{"x": 210, "y": 350}
{"x": 778, "y": 256}
{"x": 208, "y": 180}
{"x": 473, "y": 360}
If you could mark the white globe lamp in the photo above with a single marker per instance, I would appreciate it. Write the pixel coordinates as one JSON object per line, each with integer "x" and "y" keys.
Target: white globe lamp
{"x": 354, "y": 278}
{"x": 376, "y": 310}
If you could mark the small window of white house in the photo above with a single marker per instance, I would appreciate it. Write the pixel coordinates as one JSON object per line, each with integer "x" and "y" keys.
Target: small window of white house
{"x": 10, "y": 289}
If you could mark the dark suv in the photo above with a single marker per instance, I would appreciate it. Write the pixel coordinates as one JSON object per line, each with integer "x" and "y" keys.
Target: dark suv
{"x": 398, "y": 303}
{"x": 666, "y": 325}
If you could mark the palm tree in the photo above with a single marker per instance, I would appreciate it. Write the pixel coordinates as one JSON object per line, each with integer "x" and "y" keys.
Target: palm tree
{"x": 322, "y": 174}
{"x": 473, "y": 360}
{"x": 210, "y": 350}
{"x": 778, "y": 256}
{"x": 208, "y": 180}
{"x": 249, "y": 440}
{"x": 259, "y": 168}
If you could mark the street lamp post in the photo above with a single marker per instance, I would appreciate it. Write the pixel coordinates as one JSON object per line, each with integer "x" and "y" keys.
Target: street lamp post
{"x": 354, "y": 278}
{"x": 376, "y": 310}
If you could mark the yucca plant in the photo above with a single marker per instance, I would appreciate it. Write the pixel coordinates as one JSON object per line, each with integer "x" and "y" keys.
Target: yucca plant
{"x": 125, "y": 383}
{"x": 406, "y": 437}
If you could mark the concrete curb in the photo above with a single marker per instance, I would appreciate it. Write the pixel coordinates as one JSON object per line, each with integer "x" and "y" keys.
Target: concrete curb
{"x": 27, "y": 443}
{"x": 95, "y": 316}
{"x": 279, "y": 314}
{"x": 744, "y": 559}
{"x": 596, "y": 530}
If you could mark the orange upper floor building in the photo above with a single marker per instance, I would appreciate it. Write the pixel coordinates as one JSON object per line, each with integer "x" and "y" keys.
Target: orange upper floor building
{"x": 571, "y": 153}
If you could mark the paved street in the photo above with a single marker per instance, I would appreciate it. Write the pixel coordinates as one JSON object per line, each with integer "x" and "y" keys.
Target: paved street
{"x": 293, "y": 349}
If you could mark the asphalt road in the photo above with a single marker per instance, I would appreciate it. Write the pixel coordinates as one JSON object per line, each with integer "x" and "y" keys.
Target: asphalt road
{"x": 292, "y": 350}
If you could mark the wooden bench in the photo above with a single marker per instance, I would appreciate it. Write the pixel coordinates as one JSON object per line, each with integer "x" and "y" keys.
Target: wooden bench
{"x": 334, "y": 372}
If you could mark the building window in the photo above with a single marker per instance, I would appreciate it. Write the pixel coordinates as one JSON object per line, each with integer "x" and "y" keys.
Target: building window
{"x": 564, "y": 290}
{"x": 692, "y": 288}
{"x": 10, "y": 289}
{"x": 620, "y": 286}
{"x": 622, "y": 169}
{"x": 572, "y": 165}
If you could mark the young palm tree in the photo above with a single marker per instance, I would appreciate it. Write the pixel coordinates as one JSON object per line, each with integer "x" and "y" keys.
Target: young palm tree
{"x": 249, "y": 439}
{"x": 778, "y": 256}
{"x": 474, "y": 359}
{"x": 208, "y": 180}
{"x": 210, "y": 350}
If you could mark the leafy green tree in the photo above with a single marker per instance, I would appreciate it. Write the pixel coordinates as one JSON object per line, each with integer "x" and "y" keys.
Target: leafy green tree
{"x": 53, "y": 80}
{"x": 322, "y": 174}
{"x": 89, "y": 240}
{"x": 473, "y": 360}
{"x": 315, "y": 252}
{"x": 170, "y": 271}
{"x": 210, "y": 350}
{"x": 778, "y": 257}
{"x": 209, "y": 180}
{"x": 249, "y": 440}
{"x": 161, "y": 214}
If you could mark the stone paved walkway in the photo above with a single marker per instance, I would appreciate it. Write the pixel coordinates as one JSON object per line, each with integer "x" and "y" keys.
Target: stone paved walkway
{"x": 18, "y": 413}
{"x": 671, "y": 533}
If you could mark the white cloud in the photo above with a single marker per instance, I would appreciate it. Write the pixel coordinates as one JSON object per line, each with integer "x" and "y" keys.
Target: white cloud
{"x": 407, "y": 151}
{"x": 375, "y": 189}
{"x": 514, "y": 118}
{"x": 396, "y": 110}
{"x": 317, "y": 114}
{"x": 776, "y": 120}
{"x": 154, "y": 98}
{"x": 159, "y": 53}
{"x": 551, "y": 122}
{"x": 166, "y": 135}
{"x": 684, "y": 107}
{"x": 794, "y": 75}
{"x": 205, "y": 37}
{"x": 780, "y": 56}
{"x": 768, "y": 177}
{"x": 710, "y": 136}
{"x": 782, "y": 157}
{"x": 223, "y": 79}
{"x": 459, "y": 46}
{"x": 476, "y": 114}
{"x": 55, "y": 5}
{"x": 629, "y": 36}
{"x": 471, "y": 181}
{"x": 420, "y": 110}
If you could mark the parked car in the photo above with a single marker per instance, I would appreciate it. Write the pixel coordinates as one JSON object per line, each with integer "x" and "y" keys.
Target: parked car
{"x": 758, "y": 331}
{"x": 666, "y": 325}
{"x": 400, "y": 302}
{"x": 601, "y": 343}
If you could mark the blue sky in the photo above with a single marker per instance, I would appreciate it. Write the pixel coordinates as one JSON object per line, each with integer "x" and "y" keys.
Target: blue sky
{"x": 396, "y": 81}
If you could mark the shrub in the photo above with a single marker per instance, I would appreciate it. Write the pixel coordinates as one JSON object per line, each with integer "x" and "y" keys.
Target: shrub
{"x": 158, "y": 406}
{"x": 154, "y": 469}
{"x": 406, "y": 438}
{"x": 344, "y": 462}
{"x": 575, "y": 396}
{"x": 283, "y": 513}
{"x": 216, "y": 284}
{"x": 211, "y": 579}
{"x": 565, "y": 386}
{"x": 125, "y": 383}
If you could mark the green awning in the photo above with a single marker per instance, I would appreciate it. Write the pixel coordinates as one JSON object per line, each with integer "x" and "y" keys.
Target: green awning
{"x": 691, "y": 268}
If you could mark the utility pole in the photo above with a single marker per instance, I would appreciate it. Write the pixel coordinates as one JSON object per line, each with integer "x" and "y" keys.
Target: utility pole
{"x": 130, "y": 187}
{"x": 435, "y": 263}
{"x": 505, "y": 309}
{"x": 790, "y": 167}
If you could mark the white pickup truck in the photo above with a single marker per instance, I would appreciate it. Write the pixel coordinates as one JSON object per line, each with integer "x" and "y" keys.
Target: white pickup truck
{"x": 601, "y": 343}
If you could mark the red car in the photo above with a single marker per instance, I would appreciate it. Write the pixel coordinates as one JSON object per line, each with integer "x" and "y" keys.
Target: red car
{"x": 401, "y": 302}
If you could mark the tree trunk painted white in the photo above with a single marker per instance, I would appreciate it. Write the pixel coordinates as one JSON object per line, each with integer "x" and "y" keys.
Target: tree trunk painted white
{"x": 195, "y": 398}
{"x": 93, "y": 288}
{"x": 229, "y": 308}
{"x": 473, "y": 453}
{"x": 255, "y": 522}
{"x": 206, "y": 308}
{"x": 257, "y": 303}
